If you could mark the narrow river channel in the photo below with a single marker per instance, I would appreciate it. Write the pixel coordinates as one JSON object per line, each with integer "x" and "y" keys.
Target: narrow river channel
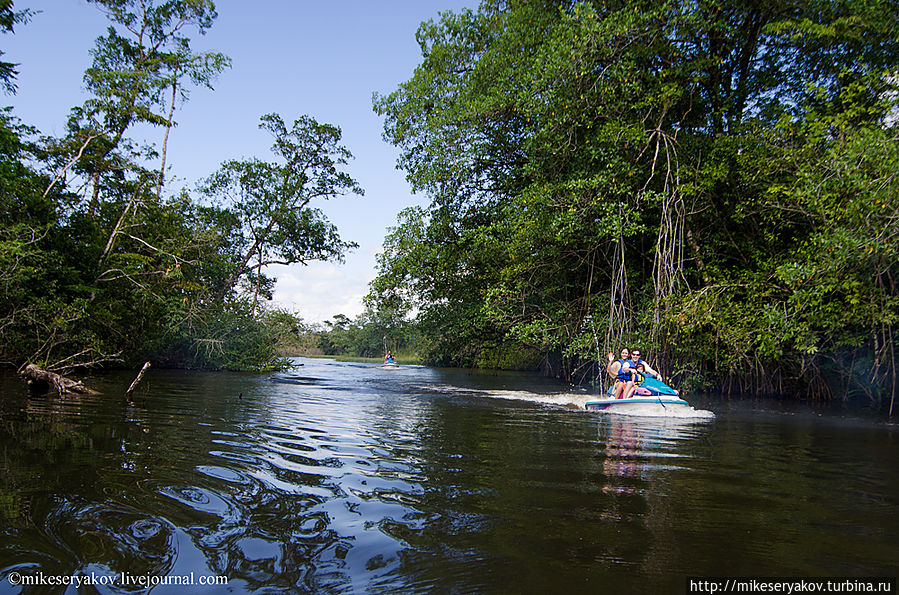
{"x": 351, "y": 478}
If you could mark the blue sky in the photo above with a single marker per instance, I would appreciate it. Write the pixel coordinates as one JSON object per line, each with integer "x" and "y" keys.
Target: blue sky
{"x": 296, "y": 57}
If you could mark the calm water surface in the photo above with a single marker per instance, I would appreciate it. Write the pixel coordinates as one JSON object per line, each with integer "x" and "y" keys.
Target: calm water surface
{"x": 350, "y": 478}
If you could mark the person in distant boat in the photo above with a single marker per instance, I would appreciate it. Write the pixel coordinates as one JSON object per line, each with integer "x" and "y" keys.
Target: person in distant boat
{"x": 622, "y": 371}
{"x": 389, "y": 359}
{"x": 648, "y": 371}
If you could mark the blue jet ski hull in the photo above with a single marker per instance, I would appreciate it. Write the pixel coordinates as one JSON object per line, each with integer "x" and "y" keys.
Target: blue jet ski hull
{"x": 650, "y": 392}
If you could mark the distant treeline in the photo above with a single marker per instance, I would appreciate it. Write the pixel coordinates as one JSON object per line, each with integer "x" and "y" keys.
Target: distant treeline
{"x": 714, "y": 182}
{"x": 102, "y": 262}
{"x": 366, "y": 336}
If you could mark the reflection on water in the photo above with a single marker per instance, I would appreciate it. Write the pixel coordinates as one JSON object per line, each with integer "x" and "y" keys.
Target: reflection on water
{"x": 635, "y": 447}
{"x": 350, "y": 477}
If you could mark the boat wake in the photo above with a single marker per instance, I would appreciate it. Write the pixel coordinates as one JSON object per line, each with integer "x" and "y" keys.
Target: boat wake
{"x": 569, "y": 400}
{"x": 579, "y": 401}
{"x": 560, "y": 400}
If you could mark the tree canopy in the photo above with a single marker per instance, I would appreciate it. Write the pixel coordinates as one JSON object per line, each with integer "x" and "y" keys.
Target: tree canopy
{"x": 98, "y": 265}
{"x": 712, "y": 181}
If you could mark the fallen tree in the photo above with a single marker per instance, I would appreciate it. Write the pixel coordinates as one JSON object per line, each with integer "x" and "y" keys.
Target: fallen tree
{"x": 40, "y": 378}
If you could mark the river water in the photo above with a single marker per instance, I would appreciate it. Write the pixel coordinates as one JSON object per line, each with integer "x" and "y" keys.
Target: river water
{"x": 350, "y": 478}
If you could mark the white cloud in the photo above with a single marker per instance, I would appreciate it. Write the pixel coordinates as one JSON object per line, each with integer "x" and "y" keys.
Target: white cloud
{"x": 320, "y": 290}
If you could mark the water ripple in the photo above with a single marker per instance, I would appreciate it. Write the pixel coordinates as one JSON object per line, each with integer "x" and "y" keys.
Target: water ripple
{"x": 126, "y": 540}
{"x": 224, "y": 474}
{"x": 426, "y": 480}
{"x": 201, "y": 500}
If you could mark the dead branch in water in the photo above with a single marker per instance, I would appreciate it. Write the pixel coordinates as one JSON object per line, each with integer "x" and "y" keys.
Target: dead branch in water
{"x": 140, "y": 375}
{"x": 62, "y": 385}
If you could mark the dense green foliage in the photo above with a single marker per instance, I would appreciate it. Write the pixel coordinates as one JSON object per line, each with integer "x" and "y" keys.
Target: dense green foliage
{"x": 8, "y": 20}
{"x": 368, "y": 336}
{"x": 99, "y": 265}
{"x": 715, "y": 182}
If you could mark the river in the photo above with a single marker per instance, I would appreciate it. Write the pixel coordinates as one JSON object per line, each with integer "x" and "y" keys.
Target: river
{"x": 349, "y": 478}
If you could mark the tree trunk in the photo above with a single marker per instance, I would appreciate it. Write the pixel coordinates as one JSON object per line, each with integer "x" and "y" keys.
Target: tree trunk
{"x": 74, "y": 160}
{"x": 62, "y": 385}
{"x": 95, "y": 195}
{"x": 165, "y": 141}
{"x": 115, "y": 232}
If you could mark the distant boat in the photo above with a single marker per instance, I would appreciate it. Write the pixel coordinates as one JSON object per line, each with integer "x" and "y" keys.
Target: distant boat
{"x": 650, "y": 392}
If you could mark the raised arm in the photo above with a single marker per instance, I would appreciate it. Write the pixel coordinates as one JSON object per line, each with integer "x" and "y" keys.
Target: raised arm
{"x": 613, "y": 366}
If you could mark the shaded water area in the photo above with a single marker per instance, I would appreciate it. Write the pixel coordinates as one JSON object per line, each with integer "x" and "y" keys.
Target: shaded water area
{"x": 349, "y": 478}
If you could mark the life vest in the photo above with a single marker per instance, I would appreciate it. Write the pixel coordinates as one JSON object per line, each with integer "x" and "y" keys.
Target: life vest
{"x": 638, "y": 378}
{"x": 624, "y": 372}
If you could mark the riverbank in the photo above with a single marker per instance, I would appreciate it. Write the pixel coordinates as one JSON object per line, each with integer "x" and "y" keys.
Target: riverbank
{"x": 401, "y": 358}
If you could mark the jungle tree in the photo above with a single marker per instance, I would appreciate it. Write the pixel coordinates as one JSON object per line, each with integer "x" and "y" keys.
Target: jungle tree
{"x": 617, "y": 162}
{"x": 143, "y": 54}
{"x": 273, "y": 220}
